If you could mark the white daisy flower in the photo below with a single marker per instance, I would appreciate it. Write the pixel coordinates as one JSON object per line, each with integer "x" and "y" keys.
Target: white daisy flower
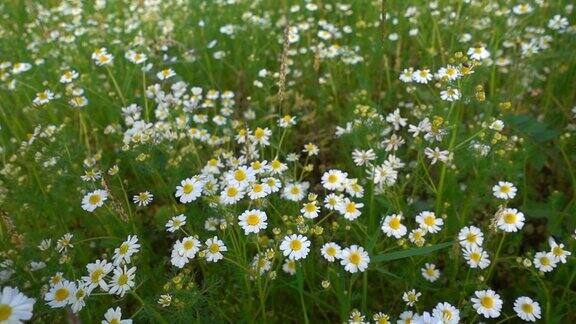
{"x": 114, "y": 316}
{"x": 15, "y": 307}
{"x": 97, "y": 271}
{"x": 447, "y": 313}
{"x": 253, "y": 221}
{"x": 122, "y": 280}
{"x": 331, "y": 251}
{"x": 289, "y": 266}
{"x": 295, "y": 246}
{"x": 143, "y": 198}
{"x": 392, "y": 226}
{"x": 545, "y": 261}
{"x": 310, "y": 210}
{"x": 429, "y": 222}
{"x": 504, "y": 190}
{"x": 333, "y": 179}
{"x": 430, "y": 273}
{"x": 510, "y": 220}
{"x": 470, "y": 236}
{"x": 94, "y": 199}
{"x": 60, "y": 294}
{"x": 354, "y": 259}
{"x": 476, "y": 257}
{"x": 558, "y": 251}
{"x": 349, "y": 209}
{"x": 126, "y": 250}
{"x": 214, "y": 249}
{"x": 487, "y": 303}
{"x": 189, "y": 190}
{"x": 175, "y": 223}
{"x": 527, "y": 309}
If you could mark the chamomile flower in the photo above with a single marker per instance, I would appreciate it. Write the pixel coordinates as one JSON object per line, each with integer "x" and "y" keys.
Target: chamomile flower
{"x": 189, "y": 247}
{"x": 60, "y": 294}
{"x": 349, "y": 209}
{"x": 450, "y": 94}
{"x": 126, "y": 250}
{"x": 476, "y": 257}
{"x": 332, "y": 200}
{"x": 510, "y": 220}
{"x": 333, "y": 179}
{"x": 430, "y": 273}
{"x": 122, "y": 280}
{"x": 558, "y": 250}
{"x": 43, "y": 97}
{"x": 331, "y": 251}
{"x": 94, "y": 199}
{"x": 114, "y": 316}
{"x": 545, "y": 261}
{"x": 289, "y": 266}
{"x": 428, "y": 221}
{"x": 253, "y": 221}
{"x": 97, "y": 271}
{"x": 295, "y": 246}
{"x": 422, "y": 76}
{"x": 262, "y": 136}
{"x": 504, "y": 190}
{"x": 102, "y": 58}
{"x": 15, "y": 307}
{"x": 392, "y": 226}
{"x": 417, "y": 236}
{"x": 258, "y": 190}
{"x": 241, "y": 177}
{"x": 447, "y": 313}
{"x": 68, "y": 76}
{"x": 143, "y": 198}
{"x": 361, "y": 158}
{"x": 411, "y": 297}
{"x": 527, "y": 309}
{"x": 478, "y": 53}
{"x": 165, "y": 74}
{"x": 214, "y": 249}
{"x": 354, "y": 259}
{"x": 310, "y": 210}
{"x": 470, "y": 236}
{"x": 189, "y": 190}
{"x": 175, "y": 223}
{"x": 78, "y": 299}
{"x": 295, "y": 191}
{"x": 487, "y": 303}
{"x": 231, "y": 194}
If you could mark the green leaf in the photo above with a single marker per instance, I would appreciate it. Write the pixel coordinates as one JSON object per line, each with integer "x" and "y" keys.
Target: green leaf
{"x": 410, "y": 252}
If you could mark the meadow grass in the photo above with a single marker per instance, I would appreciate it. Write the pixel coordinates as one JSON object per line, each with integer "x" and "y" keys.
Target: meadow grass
{"x": 287, "y": 161}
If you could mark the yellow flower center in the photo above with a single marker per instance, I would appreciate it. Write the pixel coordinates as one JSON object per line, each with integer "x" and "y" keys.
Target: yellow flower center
{"x": 475, "y": 256}
{"x": 331, "y": 251}
{"x": 471, "y": 238}
{"x": 122, "y": 279}
{"x": 124, "y": 248}
{"x": 505, "y": 189}
{"x": 61, "y": 294}
{"x": 188, "y": 245}
{"x": 527, "y": 308}
{"x": 188, "y": 188}
{"x": 310, "y": 207}
{"x": 545, "y": 261}
{"x": 487, "y": 302}
{"x": 355, "y": 258}
{"x": 510, "y": 218}
{"x": 232, "y": 191}
{"x": 395, "y": 223}
{"x": 96, "y": 275}
{"x": 558, "y": 251}
{"x": 214, "y": 248}
{"x": 5, "y": 312}
{"x": 276, "y": 164}
{"x": 94, "y": 199}
{"x": 351, "y": 207}
{"x": 429, "y": 220}
{"x": 258, "y": 188}
{"x": 296, "y": 245}
{"x": 259, "y": 133}
{"x": 294, "y": 190}
{"x": 240, "y": 175}
{"x": 252, "y": 219}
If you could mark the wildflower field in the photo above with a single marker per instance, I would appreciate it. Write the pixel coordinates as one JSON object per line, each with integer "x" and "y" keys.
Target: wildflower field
{"x": 283, "y": 161}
